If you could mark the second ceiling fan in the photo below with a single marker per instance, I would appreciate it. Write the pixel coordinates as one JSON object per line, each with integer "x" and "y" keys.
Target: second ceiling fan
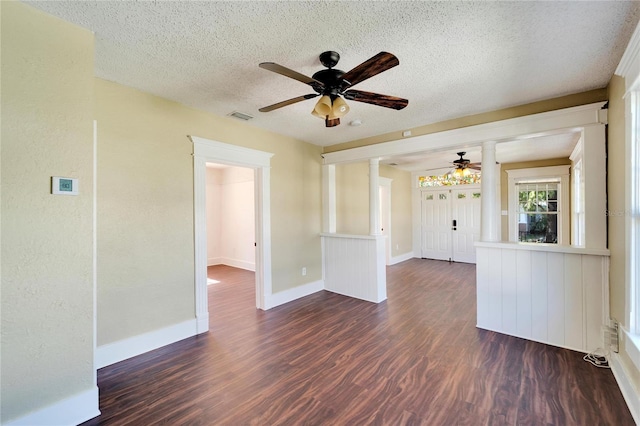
{"x": 333, "y": 84}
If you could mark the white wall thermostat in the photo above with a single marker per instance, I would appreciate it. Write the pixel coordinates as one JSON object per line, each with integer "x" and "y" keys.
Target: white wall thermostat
{"x": 64, "y": 186}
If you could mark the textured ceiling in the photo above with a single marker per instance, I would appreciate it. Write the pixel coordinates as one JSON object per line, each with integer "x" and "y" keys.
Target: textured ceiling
{"x": 456, "y": 58}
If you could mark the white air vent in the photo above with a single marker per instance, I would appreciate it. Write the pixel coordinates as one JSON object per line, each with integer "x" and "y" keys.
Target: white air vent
{"x": 240, "y": 115}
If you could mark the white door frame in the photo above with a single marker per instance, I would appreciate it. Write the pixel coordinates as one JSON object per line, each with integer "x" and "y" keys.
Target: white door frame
{"x": 209, "y": 151}
{"x": 385, "y": 209}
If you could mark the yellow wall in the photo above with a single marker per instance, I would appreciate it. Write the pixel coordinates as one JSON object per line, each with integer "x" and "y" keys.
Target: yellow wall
{"x": 352, "y": 203}
{"x": 504, "y": 185}
{"x": 47, "y": 262}
{"x": 616, "y": 183}
{"x": 145, "y": 207}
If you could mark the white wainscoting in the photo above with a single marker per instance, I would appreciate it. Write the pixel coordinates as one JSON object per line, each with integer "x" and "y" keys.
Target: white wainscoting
{"x": 354, "y": 265}
{"x": 554, "y": 295}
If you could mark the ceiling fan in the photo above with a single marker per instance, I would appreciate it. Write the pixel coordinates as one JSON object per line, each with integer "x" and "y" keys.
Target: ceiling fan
{"x": 333, "y": 84}
{"x": 462, "y": 166}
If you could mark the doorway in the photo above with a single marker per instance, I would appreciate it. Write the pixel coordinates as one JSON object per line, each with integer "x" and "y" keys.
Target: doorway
{"x": 209, "y": 151}
{"x": 450, "y": 223}
{"x": 231, "y": 237}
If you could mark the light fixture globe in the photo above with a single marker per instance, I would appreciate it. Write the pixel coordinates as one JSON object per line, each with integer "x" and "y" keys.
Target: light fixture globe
{"x": 340, "y": 107}
{"x": 323, "y": 107}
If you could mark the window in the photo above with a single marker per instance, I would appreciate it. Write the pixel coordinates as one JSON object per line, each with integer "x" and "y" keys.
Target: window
{"x": 537, "y": 212}
{"x": 629, "y": 69}
{"x": 633, "y": 221}
{"x": 448, "y": 180}
{"x": 538, "y": 206}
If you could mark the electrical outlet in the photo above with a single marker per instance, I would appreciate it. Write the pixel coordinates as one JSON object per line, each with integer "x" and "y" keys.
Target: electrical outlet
{"x": 397, "y": 246}
{"x": 304, "y": 271}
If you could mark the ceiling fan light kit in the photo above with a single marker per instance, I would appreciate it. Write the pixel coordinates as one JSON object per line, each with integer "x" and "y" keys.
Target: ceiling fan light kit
{"x": 333, "y": 84}
{"x": 463, "y": 167}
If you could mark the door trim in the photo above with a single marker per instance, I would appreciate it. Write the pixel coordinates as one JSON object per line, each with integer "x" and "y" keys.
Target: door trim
{"x": 204, "y": 151}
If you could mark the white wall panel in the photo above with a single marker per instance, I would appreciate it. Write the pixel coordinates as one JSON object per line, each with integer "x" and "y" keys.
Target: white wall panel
{"x": 509, "y": 281}
{"x": 552, "y": 295}
{"x": 495, "y": 288}
{"x": 523, "y": 289}
{"x": 555, "y": 298}
{"x": 592, "y": 267}
{"x": 482, "y": 283}
{"x": 573, "y": 301}
{"x": 355, "y": 266}
{"x": 539, "y": 296}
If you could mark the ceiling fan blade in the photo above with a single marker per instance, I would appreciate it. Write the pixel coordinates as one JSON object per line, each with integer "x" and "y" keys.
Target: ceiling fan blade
{"x": 279, "y": 69}
{"x": 474, "y": 166}
{"x": 373, "y": 66}
{"x": 376, "y": 99}
{"x": 287, "y": 102}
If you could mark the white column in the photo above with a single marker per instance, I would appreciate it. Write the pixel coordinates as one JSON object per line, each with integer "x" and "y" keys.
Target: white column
{"x": 595, "y": 192}
{"x": 329, "y": 198}
{"x": 374, "y": 197}
{"x": 489, "y": 205}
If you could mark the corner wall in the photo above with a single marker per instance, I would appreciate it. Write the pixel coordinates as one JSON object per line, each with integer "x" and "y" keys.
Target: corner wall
{"x": 616, "y": 182}
{"x": 352, "y": 203}
{"x": 47, "y": 240}
{"x": 145, "y": 208}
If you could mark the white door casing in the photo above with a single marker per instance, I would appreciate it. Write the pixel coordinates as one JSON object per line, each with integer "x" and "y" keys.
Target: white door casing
{"x": 205, "y": 150}
{"x": 385, "y": 214}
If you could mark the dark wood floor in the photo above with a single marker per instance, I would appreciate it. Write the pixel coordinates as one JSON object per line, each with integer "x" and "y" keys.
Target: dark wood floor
{"x": 416, "y": 358}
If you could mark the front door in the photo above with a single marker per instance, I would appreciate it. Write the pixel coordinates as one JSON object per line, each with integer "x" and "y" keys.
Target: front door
{"x": 450, "y": 223}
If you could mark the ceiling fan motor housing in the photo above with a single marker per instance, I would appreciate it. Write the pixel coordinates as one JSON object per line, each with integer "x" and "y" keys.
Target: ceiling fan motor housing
{"x": 332, "y": 80}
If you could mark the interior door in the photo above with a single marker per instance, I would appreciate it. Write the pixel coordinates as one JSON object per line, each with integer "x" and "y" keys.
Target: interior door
{"x": 465, "y": 211}
{"x": 436, "y": 224}
{"x": 450, "y": 224}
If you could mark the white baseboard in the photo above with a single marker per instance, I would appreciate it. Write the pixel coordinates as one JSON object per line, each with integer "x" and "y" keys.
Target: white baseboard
{"x": 629, "y": 392}
{"x": 397, "y": 259}
{"x": 214, "y": 261}
{"x": 127, "y": 348}
{"x": 292, "y": 294}
{"x": 70, "y": 411}
{"x": 236, "y": 263}
{"x": 202, "y": 323}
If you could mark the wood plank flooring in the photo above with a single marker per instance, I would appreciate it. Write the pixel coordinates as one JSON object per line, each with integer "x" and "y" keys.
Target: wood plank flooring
{"x": 326, "y": 359}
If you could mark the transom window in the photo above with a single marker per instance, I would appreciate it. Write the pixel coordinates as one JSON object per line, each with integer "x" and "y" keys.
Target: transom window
{"x": 448, "y": 179}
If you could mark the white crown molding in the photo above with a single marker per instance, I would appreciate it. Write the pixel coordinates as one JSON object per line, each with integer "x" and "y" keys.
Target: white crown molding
{"x": 630, "y": 59}
{"x": 529, "y": 126}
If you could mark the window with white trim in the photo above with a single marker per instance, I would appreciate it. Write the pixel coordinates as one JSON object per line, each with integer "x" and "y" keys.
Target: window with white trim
{"x": 539, "y": 205}
{"x": 537, "y": 212}
{"x": 633, "y": 216}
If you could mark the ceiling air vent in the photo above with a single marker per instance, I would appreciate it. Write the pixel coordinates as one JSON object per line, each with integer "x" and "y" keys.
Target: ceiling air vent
{"x": 241, "y": 115}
